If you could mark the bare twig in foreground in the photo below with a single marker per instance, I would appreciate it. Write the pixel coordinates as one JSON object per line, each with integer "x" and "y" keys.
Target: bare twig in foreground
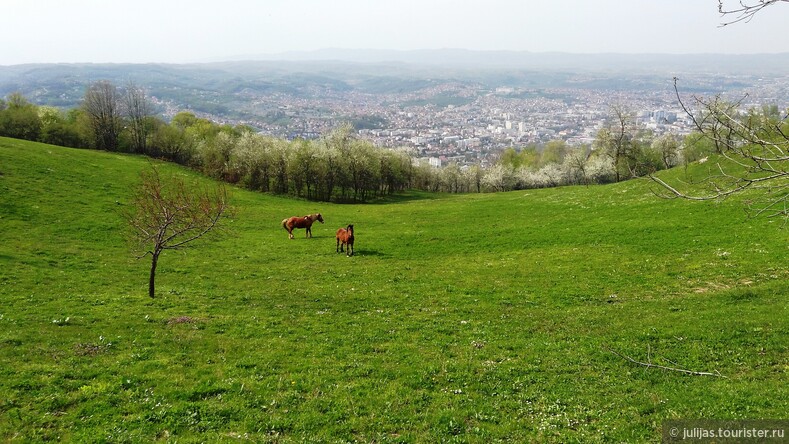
{"x": 745, "y": 10}
{"x": 673, "y": 369}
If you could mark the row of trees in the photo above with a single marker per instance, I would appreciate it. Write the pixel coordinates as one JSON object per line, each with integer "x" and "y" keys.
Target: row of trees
{"x": 339, "y": 166}
{"x": 342, "y": 167}
{"x": 21, "y": 119}
{"x": 110, "y": 118}
{"x": 621, "y": 150}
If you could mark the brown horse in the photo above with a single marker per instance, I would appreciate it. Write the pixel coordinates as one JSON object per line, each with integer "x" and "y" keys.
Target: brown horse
{"x": 301, "y": 222}
{"x": 345, "y": 237}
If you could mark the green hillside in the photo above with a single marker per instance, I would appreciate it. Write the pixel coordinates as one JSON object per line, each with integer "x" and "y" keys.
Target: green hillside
{"x": 462, "y": 318}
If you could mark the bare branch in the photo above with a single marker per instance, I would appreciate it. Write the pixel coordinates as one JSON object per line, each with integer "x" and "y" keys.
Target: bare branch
{"x": 167, "y": 215}
{"x": 745, "y": 11}
{"x": 674, "y": 192}
{"x": 649, "y": 364}
{"x": 753, "y": 150}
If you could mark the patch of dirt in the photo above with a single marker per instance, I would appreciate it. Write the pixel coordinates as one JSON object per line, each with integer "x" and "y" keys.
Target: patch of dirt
{"x": 181, "y": 320}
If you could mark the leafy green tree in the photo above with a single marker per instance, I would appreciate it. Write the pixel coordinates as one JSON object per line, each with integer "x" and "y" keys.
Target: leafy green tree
{"x": 279, "y": 166}
{"x": 362, "y": 165}
{"x": 302, "y": 166}
{"x": 667, "y": 148}
{"x": 214, "y": 155}
{"x": 575, "y": 165}
{"x": 451, "y": 178}
{"x": 20, "y": 118}
{"x": 554, "y": 152}
{"x": 298, "y": 151}
{"x": 509, "y": 156}
{"x": 617, "y": 141}
{"x": 395, "y": 171}
{"x": 426, "y": 178}
{"x": 530, "y": 157}
{"x": 184, "y": 120}
{"x": 170, "y": 142}
{"x": 338, "y": 144}
{"x": 649, "y": 158}
{"x": 387, "y": 172}
{"x": 57, "y": 129}
{"x": 252, "y": 160}
{"x": 474, "y": 175}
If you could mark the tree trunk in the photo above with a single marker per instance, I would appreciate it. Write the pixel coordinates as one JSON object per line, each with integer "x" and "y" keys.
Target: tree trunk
{"x": 151, "y": 285}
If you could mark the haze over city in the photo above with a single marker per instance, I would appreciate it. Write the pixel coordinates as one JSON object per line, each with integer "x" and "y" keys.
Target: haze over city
{"x": 147, "y": 31}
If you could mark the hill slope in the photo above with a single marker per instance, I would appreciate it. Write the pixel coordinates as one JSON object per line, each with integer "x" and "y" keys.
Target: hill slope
{"x": 469, "y": 318}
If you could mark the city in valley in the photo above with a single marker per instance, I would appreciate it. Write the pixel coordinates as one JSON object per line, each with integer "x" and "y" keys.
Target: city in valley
{"x": 479, "y": 122}
{"x": 444, "y": 107}
{"x": 467, "y": 123}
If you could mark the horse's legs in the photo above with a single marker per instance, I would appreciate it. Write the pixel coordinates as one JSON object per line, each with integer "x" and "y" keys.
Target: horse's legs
{"x": 308, "y": 233}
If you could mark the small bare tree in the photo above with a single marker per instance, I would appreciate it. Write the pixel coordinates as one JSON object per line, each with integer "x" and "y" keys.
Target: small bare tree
{"x": 754, "y": 154}
{"x": 102, "y": 106}
{"x": 138, "y": 109}
{"x": 617, "y": 140}
{"x": 745, "y": 10}
{"x": 166, "y": 214}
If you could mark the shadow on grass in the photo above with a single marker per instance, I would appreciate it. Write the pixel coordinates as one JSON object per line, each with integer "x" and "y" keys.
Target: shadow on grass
{"x": 365, "y": 252}
{"x": 368, "y": 252}
{"x": 404, "y": 197}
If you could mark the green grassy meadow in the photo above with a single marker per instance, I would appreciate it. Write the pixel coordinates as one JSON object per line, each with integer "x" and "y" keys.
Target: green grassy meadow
{"x": 462, "y": 318}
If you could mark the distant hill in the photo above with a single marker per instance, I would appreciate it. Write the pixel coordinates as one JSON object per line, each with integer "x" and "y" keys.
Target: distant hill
{"x": 606, "y": 62}
{"x": 228, "y": 88}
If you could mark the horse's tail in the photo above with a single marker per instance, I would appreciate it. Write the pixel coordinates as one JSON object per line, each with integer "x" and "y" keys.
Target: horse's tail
{"x": 285, "y": 223}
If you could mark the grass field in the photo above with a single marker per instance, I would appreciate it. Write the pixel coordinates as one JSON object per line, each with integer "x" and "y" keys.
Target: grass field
{"x": 462, "y": 318}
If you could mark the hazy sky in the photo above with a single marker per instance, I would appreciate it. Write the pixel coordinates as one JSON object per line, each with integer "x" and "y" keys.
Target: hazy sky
{"x": 38, "y": 31}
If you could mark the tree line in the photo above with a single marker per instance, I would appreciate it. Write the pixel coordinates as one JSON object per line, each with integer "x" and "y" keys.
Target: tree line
{"x": 339, "y": 166}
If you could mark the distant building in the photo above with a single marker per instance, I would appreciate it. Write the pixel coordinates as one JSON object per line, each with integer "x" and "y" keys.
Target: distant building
{"x": 450, "y": 139}
{"x": 660, "y": 116}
